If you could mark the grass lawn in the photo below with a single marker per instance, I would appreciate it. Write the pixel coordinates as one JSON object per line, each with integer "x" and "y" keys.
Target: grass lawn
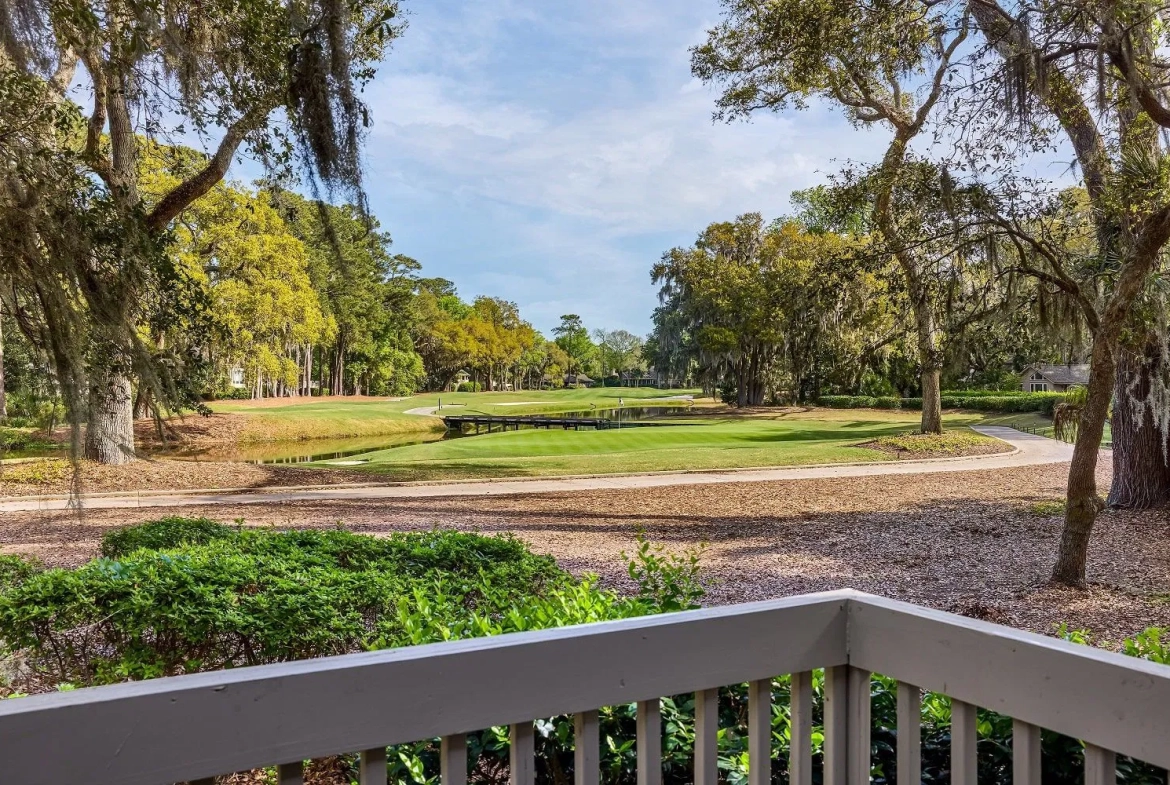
{"x": 291, "y": 419}
{"x": 710, "y": 442}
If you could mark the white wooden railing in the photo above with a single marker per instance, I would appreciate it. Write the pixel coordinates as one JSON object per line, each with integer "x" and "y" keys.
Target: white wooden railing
{"x": 191, "y": 728}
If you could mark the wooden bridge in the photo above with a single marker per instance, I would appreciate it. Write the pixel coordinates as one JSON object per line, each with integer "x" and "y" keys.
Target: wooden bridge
{"x": 504, "y": 423}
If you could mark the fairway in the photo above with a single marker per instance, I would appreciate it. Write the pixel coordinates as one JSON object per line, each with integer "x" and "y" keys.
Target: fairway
{"x": 707, "y": 443}
{"x": 294, "y": 419}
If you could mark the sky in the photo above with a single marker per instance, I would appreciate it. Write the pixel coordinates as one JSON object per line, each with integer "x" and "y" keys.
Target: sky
{"x": 550, "y": 152}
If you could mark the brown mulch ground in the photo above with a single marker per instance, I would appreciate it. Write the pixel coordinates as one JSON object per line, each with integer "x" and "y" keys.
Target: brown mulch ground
{"x": 966, "y": 542}
{"x": 161, "y": 474}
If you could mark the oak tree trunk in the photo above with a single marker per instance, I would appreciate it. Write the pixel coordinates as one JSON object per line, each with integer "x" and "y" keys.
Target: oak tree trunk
{"x": 931, "y": 401}
{"x": 3, "y": 389}
{"x": 109, "y": 431}
{"x": 1141, "y": 479}
{"x": 1083, "y": 504}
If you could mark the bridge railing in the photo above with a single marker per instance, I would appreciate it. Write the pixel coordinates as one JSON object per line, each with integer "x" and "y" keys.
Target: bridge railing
{"x": 191, "y": 728}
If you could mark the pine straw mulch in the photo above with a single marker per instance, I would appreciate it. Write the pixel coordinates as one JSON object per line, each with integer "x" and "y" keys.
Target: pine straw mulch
{"x": 968, "y": 541}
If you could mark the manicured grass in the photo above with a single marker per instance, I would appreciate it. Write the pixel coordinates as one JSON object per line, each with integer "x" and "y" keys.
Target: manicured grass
{"x": 291, "y": 419}
{"x": 718, "y": 444}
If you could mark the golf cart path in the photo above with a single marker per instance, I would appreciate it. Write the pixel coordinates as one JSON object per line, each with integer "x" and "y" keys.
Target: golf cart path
{"x": 1029, "y": 450}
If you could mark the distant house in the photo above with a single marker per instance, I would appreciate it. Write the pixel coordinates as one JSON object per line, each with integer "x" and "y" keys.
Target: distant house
{"x": 573, "y": 380}
{"x": 461, "y": 377}
{"x": 638, "y": 378}
{"x": 1054, "y": 378}
{"x": 236, "y": 377}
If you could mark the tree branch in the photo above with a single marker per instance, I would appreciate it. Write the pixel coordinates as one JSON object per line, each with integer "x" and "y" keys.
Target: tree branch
{"x": 203, "y": 181}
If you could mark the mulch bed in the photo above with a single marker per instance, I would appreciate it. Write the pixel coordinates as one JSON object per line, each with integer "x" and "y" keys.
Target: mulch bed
{"x": 966, "y": 542}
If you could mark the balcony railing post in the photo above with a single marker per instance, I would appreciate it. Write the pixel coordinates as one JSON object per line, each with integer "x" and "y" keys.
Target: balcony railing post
{"x": 586, "y": 748}
{"x": 707, "y": 737}
{"x": 453, "y": 760}
{"x": 859, "y": 726}
{"x": 521, "y": 754}
{"x": 909, "y": 760}
{"x": 291, "y": 773}
{"x": 1100, "y": 766}
{"x": 837, "y": 725}
{"x": 800, "y": 735}
{"x": 964, "y": 735}
{"x": 372, "y": 767}
{"x": 1025, "y": 753}
{"x": 649, "y": 743}
{"x": 760, "y": 732}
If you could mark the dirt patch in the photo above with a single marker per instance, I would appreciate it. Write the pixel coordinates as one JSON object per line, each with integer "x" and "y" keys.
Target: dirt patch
{"x": 966, "y": 542}
{"x": 56, "y": 476}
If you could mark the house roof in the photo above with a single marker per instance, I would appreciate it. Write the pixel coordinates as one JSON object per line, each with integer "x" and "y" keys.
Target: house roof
{"x": 1063, "y": 374}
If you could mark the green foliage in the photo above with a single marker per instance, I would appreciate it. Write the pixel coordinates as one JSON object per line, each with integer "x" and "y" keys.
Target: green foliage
{"x": 15, "y": 570}
{"x": 163, "y": 534}
{"x": 984, "y": 401}
{"x": 186, "y": 595}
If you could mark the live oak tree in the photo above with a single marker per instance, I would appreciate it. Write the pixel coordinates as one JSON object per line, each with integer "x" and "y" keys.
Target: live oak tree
{"x": 885, "y": 64}
{"x": 1094, "y": 74}
{"x": 220, "y": 69}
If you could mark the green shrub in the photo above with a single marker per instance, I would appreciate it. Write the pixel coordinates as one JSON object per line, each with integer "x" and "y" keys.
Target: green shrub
{"x": 468, "y": 387}
{"x": 170, "y": 532}
{"x": 983, "y": 400}
{"x": 250, "y": 596}
{"x": 15, "y": 570}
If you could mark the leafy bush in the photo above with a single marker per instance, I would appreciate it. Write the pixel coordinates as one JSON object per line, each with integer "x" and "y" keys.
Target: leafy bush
{"x": 988, "y": 401}
{"x": 15, "y": 570}
{"x": 165, "y": 533}
{"x": 467, "y": 387}
{"x": 1015, "y": 402}
{"x": 168, "y": 605}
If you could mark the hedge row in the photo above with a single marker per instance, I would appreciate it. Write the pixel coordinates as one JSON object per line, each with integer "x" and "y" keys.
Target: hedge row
{"x": 1004, "y": 402}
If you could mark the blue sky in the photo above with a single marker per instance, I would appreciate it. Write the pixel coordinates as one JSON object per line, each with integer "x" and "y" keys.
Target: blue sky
{"x": 549, "y": 152}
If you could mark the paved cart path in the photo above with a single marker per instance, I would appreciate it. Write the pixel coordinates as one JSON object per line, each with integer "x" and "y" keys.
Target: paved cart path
{"x": 1029, "y": 450}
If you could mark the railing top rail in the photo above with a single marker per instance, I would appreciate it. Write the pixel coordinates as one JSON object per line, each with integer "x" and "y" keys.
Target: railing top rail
{"x": 169, "y": 730}
{"x": 187, "y": 727}
{"x": 1115, "y": 701}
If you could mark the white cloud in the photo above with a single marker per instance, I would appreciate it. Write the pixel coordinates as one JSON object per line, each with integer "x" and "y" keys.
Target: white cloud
{"x": 538, "y": 146}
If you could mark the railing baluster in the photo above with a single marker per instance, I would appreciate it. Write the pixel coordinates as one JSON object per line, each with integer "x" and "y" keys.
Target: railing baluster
{"x": 586, "y": 749}
{"x": 707, "y": 737}
{"x": 964, "y": 734}
{"x": 760, "y": 732}
{"x": 649, "y": 745}
{"x": 521, "y": 754}
{"x": 1100, "y": 766}
{"x": 836, "y": 725}
{"x": 372, "y": 767}
{"x": 453, "y": 760}
{"x": 859, "y": 756}
{"x": 291, "y": 773}
{"x": 1025, "y": 753}
{"x": 910, "y": 735}
{"x": 800, "y": 731}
